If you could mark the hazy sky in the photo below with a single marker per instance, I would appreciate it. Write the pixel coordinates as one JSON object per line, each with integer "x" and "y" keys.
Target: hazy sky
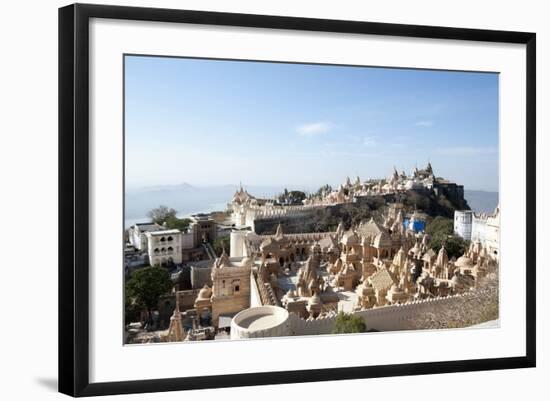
{"x": 209, "y": 122}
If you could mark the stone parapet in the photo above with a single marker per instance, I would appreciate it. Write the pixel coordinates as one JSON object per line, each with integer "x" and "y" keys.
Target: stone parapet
{"x": 385, "y": 318}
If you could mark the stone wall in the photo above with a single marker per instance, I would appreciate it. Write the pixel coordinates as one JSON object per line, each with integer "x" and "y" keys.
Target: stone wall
{"x": 228, "y": 306}
{"x": 385, "y": 318}
{"x": 323, "y": 218}
{"x": 201, "y": 274}
{"x": 297, "y": 223}
{"x": 303, "y": 327}
{"x": 282, "y": 211}
{"x": 290, "y": 223}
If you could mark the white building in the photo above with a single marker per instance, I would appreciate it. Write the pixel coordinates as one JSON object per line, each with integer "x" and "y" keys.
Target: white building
{"x": 164, "y": 247}
{"x": 479, "y": 227}
{"x": 463, "y": 224}
{"x": 188, "y": 239}
{"x": 237, "y": 242}
{"x": 492, "y": 234}
{"x": 137, "y": 234}
{"x": 483, "y": 228}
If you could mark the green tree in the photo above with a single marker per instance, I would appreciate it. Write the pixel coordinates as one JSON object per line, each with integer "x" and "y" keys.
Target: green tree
{"x": 145, "y": 287}
{"x": 455, "y": 245}
{"x": 348, "y": 323}
{"x": 416, "y": 200}
{"x": 441, "y": 232}
{"x": 180, "y": 224}
{"x": 167, "y": 216}
{"x": 440, "y": 225}
{"x": 296, "y": 197}
{"x": 291, "y": 197}
{"x": 162, "y": 213}
{"x": 132, "y": 308}
{"x": 221, "y": 243}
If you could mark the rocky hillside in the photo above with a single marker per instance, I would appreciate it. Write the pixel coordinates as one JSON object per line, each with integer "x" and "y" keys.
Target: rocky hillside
{"x": 366, "y": 207}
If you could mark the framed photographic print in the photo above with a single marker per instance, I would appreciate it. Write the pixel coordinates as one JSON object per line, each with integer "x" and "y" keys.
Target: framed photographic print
{"x": 277, "y": 199}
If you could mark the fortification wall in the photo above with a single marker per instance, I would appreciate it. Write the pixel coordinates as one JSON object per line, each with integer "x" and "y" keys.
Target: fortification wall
{"x": 385, "y": 318}
{"x": 309, "y": 327}
{"x": 291, "y": 224}
{"x": 281, "y": 211}
{"x": 228, "y": 305}
{"x": 299, "y": 222}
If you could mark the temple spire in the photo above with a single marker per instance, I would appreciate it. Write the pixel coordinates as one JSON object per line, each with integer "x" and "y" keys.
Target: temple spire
{"x": 279, "y": 232}
{"x": 175, "y": 331}
{"x": 442, "y": 257}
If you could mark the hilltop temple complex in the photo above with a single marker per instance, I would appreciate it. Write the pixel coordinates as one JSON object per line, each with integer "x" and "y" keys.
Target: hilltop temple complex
{"x": 295, "y": 283}
{"x": 247, "y": 210}
{"x": 305, "y": 279}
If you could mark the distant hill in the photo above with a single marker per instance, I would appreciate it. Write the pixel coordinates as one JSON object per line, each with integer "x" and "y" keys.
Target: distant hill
{"x": 327, "y": 219}
{"x": 481, "y": 201}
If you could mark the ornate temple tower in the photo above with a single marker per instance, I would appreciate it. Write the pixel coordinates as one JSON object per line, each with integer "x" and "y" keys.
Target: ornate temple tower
{"x": 440, "y": 266}
{"x": 398, "y": 262}
{"x": 308, "y": 278}
{"x": 230, "y": 286}
{"x": 175, "y": 331}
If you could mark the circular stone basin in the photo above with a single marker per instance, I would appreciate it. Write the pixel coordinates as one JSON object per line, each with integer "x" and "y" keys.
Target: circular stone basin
{"x": 260, "y": 321}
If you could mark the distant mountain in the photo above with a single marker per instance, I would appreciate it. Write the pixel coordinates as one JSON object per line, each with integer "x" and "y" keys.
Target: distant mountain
{"x": 481, "y": 201}
{"x": 173, "y": 187}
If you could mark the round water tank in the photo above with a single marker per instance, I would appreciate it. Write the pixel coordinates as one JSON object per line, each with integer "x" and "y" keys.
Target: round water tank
{"x": 260, "y": 321}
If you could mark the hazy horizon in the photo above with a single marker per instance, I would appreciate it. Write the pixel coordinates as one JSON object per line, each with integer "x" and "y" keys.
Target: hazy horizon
{"x": 187, "y": 200}
{"x": 214, "y": 123}
{"x": 299, "y": 187}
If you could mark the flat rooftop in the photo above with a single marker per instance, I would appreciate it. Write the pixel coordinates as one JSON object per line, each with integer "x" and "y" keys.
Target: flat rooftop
{"x": 165, "y": 232}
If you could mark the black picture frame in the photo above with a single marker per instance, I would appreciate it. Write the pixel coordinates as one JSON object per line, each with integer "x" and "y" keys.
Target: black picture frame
{"x": 74, "y": 198}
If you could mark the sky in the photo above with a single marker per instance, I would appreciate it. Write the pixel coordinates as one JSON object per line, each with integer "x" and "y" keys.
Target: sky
{"x": 219, "y": 122}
